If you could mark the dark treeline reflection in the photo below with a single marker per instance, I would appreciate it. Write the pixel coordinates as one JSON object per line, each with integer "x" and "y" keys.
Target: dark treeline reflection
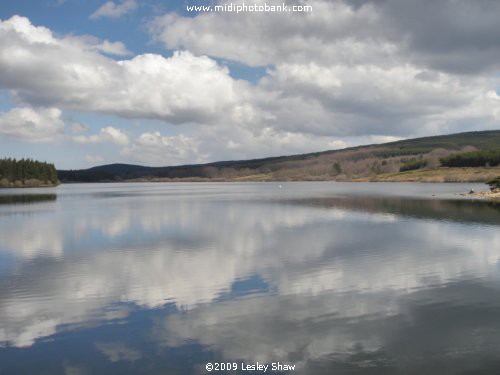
{"x": 27, "y": 198}
{"x": 464, "y": 211}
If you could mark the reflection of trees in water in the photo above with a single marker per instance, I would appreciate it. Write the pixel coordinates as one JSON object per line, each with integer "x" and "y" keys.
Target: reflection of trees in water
{"x": 27, "y": 198}
{"x": 476, "y": 211}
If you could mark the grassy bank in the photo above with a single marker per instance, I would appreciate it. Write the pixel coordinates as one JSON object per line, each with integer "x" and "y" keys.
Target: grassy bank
{"x": 482, "y": 174}
{"x": 30, "y": 183}
{"x": 478, "y": 174}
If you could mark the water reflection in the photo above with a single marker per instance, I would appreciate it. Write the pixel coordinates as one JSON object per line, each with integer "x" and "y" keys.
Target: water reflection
{"x": 467, "y": 211}
{"x": 334, "y": 285}
{"x": 26, "y": 198}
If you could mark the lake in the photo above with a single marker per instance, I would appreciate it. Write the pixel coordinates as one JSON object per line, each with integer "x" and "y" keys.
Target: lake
{"x": 331, "y": 278}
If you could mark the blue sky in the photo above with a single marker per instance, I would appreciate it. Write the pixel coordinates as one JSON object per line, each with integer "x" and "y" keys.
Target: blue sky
{"x": 91, "y": 82}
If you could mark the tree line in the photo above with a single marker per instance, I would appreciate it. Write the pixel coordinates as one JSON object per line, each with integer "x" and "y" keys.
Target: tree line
{"x": 413, "y": 164}
{"x": 484, "y": 158}
{"x": 26, "y": 172}
{"x": 494, "y": 184}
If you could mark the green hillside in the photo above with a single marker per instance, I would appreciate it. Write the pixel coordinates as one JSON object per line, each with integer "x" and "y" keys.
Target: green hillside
{"x": 394, "y": 160}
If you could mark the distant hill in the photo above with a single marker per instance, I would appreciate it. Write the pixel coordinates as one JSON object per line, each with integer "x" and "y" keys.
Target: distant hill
{"x": 398, "y": 160}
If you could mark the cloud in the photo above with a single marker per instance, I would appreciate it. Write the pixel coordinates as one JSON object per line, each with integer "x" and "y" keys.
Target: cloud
{"x": 46, "y": 125}
{"x": 455, "y": 36}
{"x": 107, "y": 134}
{"x": 32, "y": 125}
{"x": 346, "y": 72}
{"x": 334, "y": 31}
{"x": 43, "y": 69}
{"x": 113, "y": 48}
{"x": 79, "y": 128}
{"x": 328, "y": 84}
{"x": 91, "y": 43}
{"x": 344, "y": 100}
{"x": 449, "y": 35}
{"x": 156, "y": 149}
{"x": 223, "y": 143}
{"x": 113, "y": 10}
{"x": 94, "y": 158}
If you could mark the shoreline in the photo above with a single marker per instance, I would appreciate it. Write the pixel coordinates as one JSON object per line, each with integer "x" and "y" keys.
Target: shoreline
{"x": 13, "y": 185}
{"x": 440, "y": 174}
{"x": 215, "y": 180}
{"x": 488, "y": 195}
{"x": 430, "y": 175}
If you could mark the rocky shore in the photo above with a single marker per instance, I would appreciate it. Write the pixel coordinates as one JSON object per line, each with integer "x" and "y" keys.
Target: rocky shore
{"x": 494, "y": 194}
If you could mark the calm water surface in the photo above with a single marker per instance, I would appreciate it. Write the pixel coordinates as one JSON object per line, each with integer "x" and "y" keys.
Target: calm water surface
{"x": 333, "y": 278}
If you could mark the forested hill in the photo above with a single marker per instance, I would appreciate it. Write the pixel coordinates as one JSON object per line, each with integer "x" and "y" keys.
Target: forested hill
{"x": 27, "y": 173}
{"x": 429, "y": 156}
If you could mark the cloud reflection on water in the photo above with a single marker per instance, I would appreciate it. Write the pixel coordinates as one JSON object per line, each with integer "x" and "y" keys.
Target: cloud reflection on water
{"x": 338, "y": 276}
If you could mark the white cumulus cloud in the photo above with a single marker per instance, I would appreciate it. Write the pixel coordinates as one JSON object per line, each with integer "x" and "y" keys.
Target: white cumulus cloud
{"x": 113, "y": 48}
{"x": 156, "y": 149}
{"x": 114, "y": 10}
{"x": 336, "y": 77}
{"x": 107, "y": 134}
{"x": 32, "y": 125}
{"x": 46, "y": 70}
